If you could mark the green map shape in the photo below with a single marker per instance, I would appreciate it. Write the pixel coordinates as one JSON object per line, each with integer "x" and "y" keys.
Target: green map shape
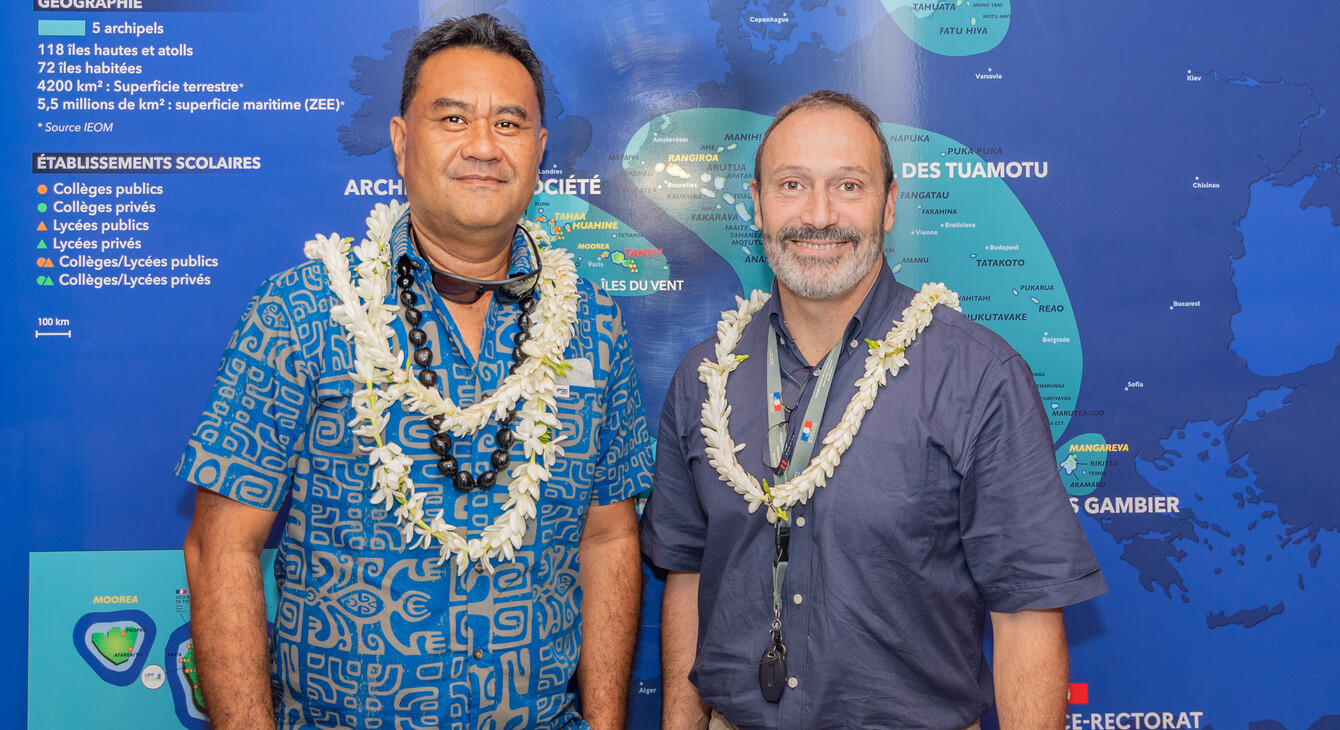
{"x": 606, "y": 250}
{"x": 192, "y": 672}
{"x": 116, "y": 645}
{"x": 952, "y": 27}
{"x": 1082, "y": 470}
{"x": 970, "y": 233}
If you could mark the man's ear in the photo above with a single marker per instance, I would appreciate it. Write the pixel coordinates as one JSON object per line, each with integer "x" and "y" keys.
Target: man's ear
{"x": 398, "y": 143}
{"x": 890, "y": 203}
{"x": 758, "y": 209}
{"x": 539, "y": 161}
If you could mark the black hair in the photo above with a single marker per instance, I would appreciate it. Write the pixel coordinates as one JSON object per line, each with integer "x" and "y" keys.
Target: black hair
{"x": 477, "y": 31}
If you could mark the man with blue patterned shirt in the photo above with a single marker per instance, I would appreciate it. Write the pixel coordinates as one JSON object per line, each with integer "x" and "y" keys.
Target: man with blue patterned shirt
{"x": 373, "y": 627}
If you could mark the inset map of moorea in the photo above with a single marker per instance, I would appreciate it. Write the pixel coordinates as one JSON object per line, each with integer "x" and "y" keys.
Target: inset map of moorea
{"x": 124, "y": 648}
{"x": 117, "y": 646}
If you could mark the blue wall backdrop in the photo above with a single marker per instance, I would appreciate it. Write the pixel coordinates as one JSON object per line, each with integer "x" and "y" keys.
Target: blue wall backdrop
{"x": 1143, "y": 198}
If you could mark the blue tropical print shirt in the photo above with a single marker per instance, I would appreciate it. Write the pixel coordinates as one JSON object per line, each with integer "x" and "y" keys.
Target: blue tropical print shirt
{"x": 369, "y": 633}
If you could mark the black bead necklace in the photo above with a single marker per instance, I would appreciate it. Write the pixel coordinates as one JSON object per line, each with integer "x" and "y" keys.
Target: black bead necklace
{"x": 441, "y": 441}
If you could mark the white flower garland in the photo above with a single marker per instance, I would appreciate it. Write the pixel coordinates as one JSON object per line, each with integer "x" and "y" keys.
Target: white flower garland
{"x": 363, "y": 312}
{"x": 886, "y": 356}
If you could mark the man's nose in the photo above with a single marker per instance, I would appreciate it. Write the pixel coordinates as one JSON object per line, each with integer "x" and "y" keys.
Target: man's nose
{"x": 481, "y": 143}
{"x": 818, "y": 211}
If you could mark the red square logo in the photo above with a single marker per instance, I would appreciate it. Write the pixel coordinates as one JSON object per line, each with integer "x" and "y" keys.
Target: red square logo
{"x": 1079, "y": 693}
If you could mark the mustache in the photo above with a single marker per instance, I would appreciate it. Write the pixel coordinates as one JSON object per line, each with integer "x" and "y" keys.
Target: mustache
{"x": 809, "y": 233}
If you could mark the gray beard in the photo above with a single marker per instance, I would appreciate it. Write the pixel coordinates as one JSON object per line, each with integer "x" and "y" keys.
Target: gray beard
{"x": 811, "y": 279}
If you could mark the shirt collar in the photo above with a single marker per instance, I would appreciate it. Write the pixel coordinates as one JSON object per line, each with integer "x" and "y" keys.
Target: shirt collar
{"x": 523, "y": 255}
{"x": 868, "y": 321}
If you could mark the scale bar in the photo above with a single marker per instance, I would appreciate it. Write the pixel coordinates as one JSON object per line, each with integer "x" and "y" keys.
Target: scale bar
{"x": 38, "y": 333}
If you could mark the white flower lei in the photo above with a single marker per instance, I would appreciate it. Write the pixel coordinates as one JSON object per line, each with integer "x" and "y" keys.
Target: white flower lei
{"x": 886, "y": 356}
{"x": 363, "y": 312}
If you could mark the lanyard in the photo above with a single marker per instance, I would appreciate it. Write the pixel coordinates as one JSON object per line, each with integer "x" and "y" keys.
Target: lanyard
{"x": 800, "y": 445}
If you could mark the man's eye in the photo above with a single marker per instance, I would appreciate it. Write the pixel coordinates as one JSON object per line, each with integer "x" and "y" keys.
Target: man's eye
{"x": 790, "y": 185}
{"x": 849, "y": 187}
{"x": 454, "y": 119}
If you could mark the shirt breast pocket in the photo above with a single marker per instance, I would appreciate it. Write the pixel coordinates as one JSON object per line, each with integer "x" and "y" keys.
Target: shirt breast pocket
{"x": 334, "y": 500}
{"x": 889, "y": 502}
{"x": 566, "y": 496}
{"x": 580, "y": 416}
{"x": 330, "y": 432}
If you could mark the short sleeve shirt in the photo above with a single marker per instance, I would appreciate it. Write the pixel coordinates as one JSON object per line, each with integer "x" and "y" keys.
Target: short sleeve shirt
{"x": 947, "y": 504}
{"x": 368, "y": 633}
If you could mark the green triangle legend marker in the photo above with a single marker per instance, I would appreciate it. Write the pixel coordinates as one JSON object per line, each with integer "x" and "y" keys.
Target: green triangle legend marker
{"x": 42, "y": 243}
{"x": 45, "y": 281}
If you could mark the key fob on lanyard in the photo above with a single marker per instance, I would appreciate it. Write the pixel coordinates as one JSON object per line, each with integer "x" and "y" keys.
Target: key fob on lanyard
{"x": 772, "y": 674}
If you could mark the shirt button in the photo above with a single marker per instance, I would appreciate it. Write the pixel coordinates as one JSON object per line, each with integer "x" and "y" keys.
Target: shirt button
{"x": 792, "y": 682}
{"x": 479, "y": 567}
{"x": 797, "y": 599}
{"x": 479, "y": 653}
{"x": 800, "y": 522}
{"x": 852, "y": 343}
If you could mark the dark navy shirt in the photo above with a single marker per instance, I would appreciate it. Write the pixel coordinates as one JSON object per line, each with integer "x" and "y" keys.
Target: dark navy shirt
{"x": 948, "y": 504}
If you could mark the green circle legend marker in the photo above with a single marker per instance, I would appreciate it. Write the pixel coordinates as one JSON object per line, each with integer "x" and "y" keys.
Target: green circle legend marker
{"x": 41, "y": 207}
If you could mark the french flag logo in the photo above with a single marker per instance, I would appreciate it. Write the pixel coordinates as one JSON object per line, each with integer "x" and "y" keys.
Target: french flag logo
{"x": 181, "y": 591}
{"x": 806, "y": 430}
{"x": 776, "y": 402}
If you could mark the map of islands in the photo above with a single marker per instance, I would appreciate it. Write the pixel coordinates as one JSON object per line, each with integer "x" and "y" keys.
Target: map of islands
{"x": 952, "y": 27}
{"x": 957, "y": 222}
{"x": 188, "y": 699}
{"x": 192, "y": 675}
{"x": 115, "y": 644}
{"x": 607, "y": 251}
{"x": 1082, "y": 462}
{"x": 114, "y": 663}
{"x": 1226, "y": 551}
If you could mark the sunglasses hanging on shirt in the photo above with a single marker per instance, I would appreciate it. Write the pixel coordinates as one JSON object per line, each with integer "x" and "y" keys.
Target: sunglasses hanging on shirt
{"x": 465, "y": 290}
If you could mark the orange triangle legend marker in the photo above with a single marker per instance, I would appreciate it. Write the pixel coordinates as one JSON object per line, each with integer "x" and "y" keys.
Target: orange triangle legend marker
{"x": 42, "y": 225}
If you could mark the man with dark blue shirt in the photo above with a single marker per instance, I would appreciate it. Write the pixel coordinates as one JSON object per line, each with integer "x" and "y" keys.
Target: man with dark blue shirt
{"x": 851, "y": 475}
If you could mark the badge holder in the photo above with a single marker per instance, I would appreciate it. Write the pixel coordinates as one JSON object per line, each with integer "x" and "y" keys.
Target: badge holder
{"x": 772, "y": 666}
{"x": 772, "y": 671}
